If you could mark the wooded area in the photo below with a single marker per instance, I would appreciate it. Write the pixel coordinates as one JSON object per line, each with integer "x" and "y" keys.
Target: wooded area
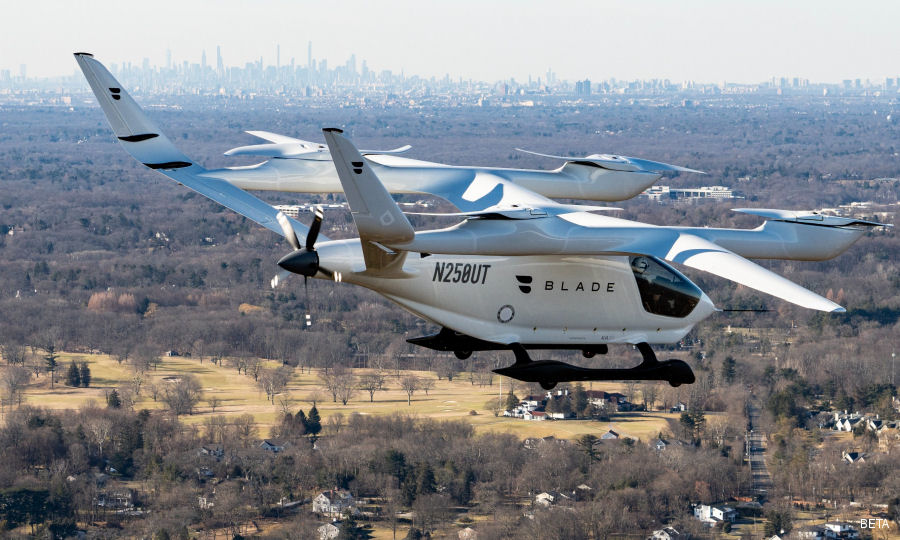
{"x": 98, "y": 254}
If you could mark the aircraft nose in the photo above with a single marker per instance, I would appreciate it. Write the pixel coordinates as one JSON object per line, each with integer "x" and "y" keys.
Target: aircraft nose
{"x": 704, "y": 308}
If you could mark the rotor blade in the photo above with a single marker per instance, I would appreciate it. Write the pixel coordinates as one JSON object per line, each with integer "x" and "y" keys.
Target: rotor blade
{"x": 314, "y": 229}
{"x": 289, "y": 233}
{"x": 622, "y": 163}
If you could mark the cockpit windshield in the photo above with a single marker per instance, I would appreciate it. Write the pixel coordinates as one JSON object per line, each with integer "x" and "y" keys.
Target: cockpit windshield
{"x": 663, "y": 290}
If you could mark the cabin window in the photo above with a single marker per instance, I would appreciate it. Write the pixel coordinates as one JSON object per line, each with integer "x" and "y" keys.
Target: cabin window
{"x": 664, "y": 291}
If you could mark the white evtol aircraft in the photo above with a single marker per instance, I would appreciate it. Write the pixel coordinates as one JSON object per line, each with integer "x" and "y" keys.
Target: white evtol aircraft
{"x": 521, "y": 270}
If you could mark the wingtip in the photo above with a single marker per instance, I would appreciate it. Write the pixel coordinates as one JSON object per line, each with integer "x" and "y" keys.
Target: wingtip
{"x": 839, "y": 309}
{"x": 332, "y": 130}
{"x": 84, "y": 54}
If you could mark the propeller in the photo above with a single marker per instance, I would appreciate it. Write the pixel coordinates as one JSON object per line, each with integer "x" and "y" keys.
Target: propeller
{"x": 303, "y": 260}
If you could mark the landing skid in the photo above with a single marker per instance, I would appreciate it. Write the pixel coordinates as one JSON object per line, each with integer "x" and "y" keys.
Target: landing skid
{"x": 550, "y": 372}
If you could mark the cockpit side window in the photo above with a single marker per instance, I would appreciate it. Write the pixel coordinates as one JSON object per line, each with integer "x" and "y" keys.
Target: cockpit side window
{"x": 663, "y": 290}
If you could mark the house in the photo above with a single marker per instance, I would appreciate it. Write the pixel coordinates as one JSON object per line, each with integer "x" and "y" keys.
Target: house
{"x": 840, "y": 530}
{"x": 116, "y": 500}
{"x": 271, "y": 446}
{"x": 205, "y": 502}
{"x": 610, "y": 435}
{"x": 875, "y": 424}
{"x": 813, "y": 532}
{"x": 659, "y": 444}
{"x": 668, "y": 533}
{"x": 679, "y": 407}
{"x": 854, "y": 457}
{"x": 713, "y": 515}
{"x": 534, "y": 401}
{"x": 329, "y": 531}
{"x": 334, "y": 503}
{"x": 549, "y": 498}
{"x": 214, "y": 451}
{"x": 533, "y": 443}
{"x": 603, "y": 400}
{"x": 468, "y": 534}
{"x": 535, "y": 415}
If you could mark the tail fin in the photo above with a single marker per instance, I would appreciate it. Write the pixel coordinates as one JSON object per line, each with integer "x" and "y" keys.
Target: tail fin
{"x": 138, "y": 134}
{"x": 376, "y": 214}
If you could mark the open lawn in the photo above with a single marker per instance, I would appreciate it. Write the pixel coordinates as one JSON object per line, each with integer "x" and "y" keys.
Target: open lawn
{"x": 238, "y": 394}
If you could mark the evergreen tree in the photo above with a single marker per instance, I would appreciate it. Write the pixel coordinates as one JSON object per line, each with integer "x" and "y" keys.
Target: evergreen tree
{"x": 85, "y": 373}
{"x": 73, "y": 376}
{"x": 50, "y": 362}
{"x": 425, "y": 482}
{"x": 581, "y": 405}
{"x": 112, "y": 400}
{"x": 301, "y": 424}
{"x": 728, "y": 369}
{"x": 351, "y": 530}
{"x": 313, "y": 421}
{"x": 511, "y": 401}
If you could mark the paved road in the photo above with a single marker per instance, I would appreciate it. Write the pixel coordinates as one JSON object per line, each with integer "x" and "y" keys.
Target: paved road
{"x": 762, "y": 480}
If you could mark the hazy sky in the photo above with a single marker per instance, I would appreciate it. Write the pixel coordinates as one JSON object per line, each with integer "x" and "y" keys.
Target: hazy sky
{"x": 703, "y": 40}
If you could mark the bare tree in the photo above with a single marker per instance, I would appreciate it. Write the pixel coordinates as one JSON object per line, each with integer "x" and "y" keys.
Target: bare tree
{"x": 427, "y": 383}
{"x": 13, "y": 353}
{"x": 14, "y": 379}
{"x": 183, "y": 394}
{"x": 346, "y": 387}
{"x": 274, "y": 381}
{"x": 332, "y": 379}
{"x": 410, "y": 384}
{"x": 371, "y": 383}
{"x": 213, "y": 402}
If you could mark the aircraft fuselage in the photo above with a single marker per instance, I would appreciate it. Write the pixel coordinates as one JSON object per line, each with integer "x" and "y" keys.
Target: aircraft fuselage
{"x": 528, "y": 300}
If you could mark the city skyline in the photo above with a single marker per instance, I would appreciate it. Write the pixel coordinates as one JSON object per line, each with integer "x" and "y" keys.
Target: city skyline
{"x": 698, "y": 40}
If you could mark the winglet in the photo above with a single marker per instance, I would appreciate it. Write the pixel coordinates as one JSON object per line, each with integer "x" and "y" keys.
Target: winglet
{"x": 139, "y": 135}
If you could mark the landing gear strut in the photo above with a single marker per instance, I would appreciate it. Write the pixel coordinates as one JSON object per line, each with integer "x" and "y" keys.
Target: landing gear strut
{"x": 550, "y": 372}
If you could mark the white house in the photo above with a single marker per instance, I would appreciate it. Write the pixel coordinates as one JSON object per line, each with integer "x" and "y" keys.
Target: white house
{"x": 667, "y": 533}
{"x": 329, "y": 531}
{"x": 333, "y": 503}
{"x": 271, "y": 446}
{"x": 840, "y": 530}
{"x": 711, "y": 515}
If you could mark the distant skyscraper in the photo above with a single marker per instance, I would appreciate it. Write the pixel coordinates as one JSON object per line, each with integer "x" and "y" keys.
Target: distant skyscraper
{"x": 278, "y": 56}
{"x": 203, "y": 60}
{"x": 309, "y": 63}
{"x": 23, "y": 71}
{"x": 220, "y": 66}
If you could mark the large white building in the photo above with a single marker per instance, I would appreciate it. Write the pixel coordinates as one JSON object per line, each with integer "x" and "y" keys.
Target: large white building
{"x": 666, "y": 193}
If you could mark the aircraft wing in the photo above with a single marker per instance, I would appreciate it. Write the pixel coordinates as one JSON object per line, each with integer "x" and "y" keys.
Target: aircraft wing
{"x": 146, "y": 143}
{"x": 589, "y": 234}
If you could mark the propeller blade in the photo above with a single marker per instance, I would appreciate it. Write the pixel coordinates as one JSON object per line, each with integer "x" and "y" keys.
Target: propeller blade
{"x": 289, "y": 233}
{"x": 313, "y": 233}
{"x": 619, "y": 163}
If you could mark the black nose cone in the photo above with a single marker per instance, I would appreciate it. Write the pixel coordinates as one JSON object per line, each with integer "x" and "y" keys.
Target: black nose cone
{"x": 305, "y": 263}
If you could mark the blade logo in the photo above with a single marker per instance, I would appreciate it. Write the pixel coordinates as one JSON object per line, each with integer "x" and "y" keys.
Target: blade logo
{"x": 581, "y": 286}
{"x": 524, "y": 283}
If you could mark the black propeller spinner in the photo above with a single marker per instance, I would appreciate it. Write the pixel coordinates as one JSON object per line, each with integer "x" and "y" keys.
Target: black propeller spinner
{"x": 303, "y": 260}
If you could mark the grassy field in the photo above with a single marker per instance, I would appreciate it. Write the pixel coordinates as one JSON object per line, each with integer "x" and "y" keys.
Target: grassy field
{"x": 238, "y": 394}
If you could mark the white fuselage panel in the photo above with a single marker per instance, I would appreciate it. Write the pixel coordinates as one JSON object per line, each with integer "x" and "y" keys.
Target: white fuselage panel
{"x": 528, "y": 300}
